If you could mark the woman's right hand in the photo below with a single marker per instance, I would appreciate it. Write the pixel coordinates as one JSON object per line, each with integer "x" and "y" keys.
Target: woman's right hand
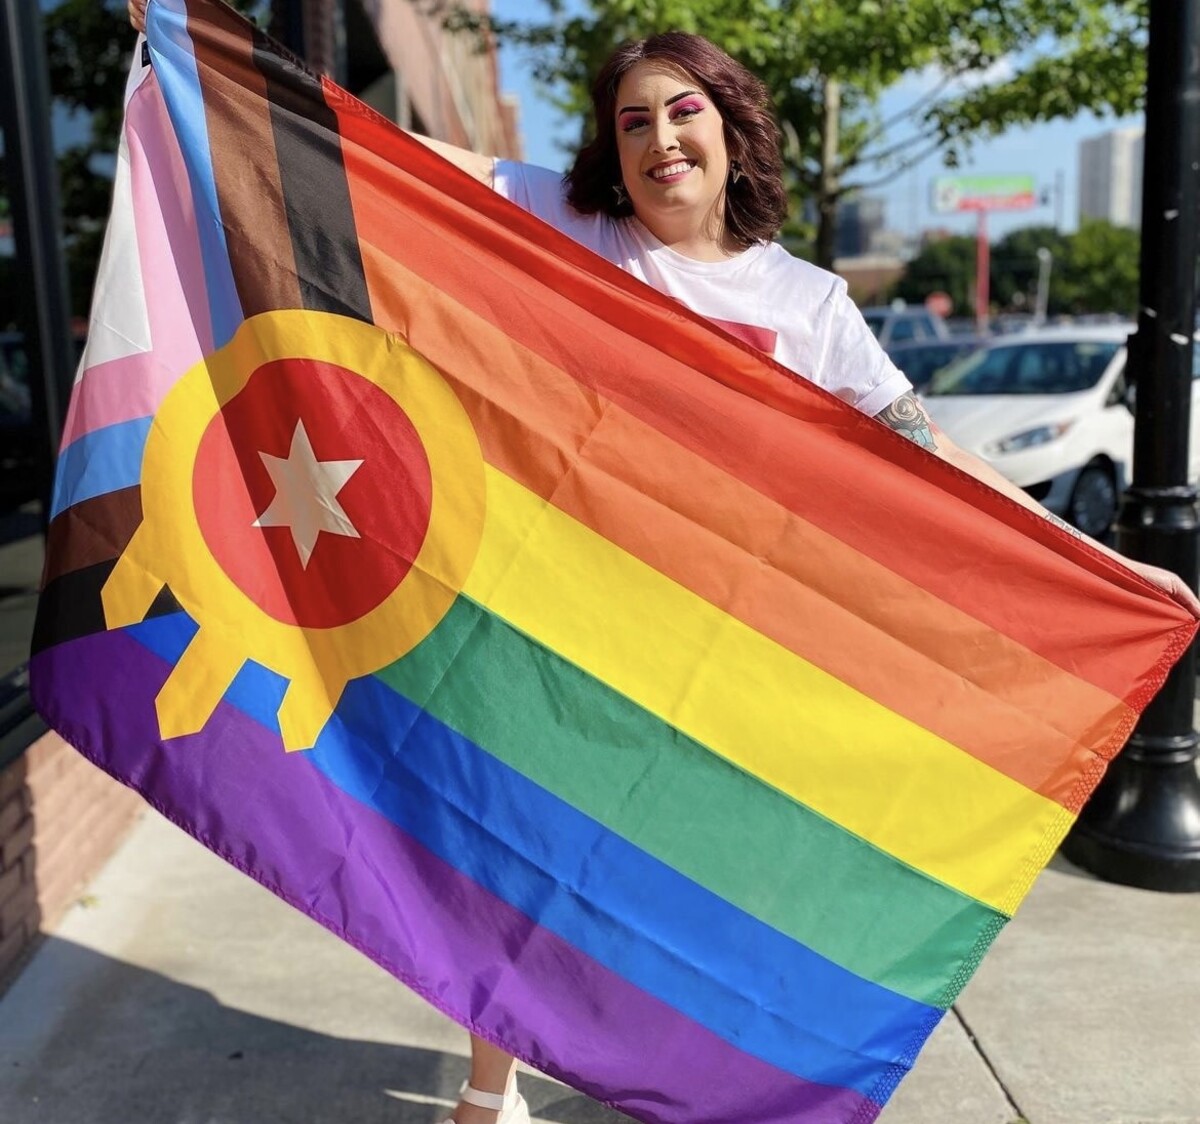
{"x": 137, "y": 14}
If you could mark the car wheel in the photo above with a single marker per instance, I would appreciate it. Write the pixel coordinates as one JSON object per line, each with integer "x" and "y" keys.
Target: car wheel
{"x": 1093, "y": 504}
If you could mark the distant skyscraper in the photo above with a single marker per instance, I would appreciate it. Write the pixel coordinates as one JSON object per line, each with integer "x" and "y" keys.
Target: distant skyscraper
{"x": 1110, "y": 177}
{"x": 860, "y": 221}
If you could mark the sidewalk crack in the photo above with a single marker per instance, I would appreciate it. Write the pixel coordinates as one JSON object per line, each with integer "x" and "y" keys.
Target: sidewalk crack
{"x": 1019, "y": 1116}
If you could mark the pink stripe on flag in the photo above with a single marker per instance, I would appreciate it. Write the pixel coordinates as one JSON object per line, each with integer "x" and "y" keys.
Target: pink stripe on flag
{"x": 172, "y": 279}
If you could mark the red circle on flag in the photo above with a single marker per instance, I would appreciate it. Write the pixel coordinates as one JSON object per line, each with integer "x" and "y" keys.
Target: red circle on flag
{"x": 283, "y": 451}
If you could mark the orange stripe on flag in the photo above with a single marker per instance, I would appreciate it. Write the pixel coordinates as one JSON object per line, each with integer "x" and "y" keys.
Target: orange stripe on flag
{"x": 751, "y": 557}
{"x": 810, "y": 453}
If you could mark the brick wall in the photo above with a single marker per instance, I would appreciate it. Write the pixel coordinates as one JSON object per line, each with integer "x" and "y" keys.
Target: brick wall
{"x": 60, "y": 819}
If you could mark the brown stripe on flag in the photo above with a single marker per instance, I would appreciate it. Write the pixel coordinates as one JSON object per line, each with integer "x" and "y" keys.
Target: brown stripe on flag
{"x": 308, "y": 148}
{"x": 82, "y": 547}
{"x": 92, "y": 531}
{"x": 242, "y": 140}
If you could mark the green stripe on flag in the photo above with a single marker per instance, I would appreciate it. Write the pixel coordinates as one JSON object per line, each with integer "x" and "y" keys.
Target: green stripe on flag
{"x": 673, "y": 798}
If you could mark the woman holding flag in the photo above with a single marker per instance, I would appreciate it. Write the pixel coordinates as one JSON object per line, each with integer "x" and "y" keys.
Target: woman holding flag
{"x": 682, "y": 188}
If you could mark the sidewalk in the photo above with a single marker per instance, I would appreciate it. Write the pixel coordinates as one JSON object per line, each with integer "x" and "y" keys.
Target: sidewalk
{"x": 179, "y": 992}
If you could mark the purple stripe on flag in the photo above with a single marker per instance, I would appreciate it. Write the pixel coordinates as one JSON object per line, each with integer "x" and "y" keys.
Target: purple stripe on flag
{"x": 463, "y": 949}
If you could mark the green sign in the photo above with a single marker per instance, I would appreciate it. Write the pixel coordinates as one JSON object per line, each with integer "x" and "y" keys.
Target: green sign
{"x": 954, "y": 194}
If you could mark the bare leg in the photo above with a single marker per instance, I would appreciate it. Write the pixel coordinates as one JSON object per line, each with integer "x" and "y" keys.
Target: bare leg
{"x": 491, "y": 1072}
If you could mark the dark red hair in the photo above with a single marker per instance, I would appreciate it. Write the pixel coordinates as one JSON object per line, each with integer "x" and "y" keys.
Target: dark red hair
{"x": 756, "y": 205}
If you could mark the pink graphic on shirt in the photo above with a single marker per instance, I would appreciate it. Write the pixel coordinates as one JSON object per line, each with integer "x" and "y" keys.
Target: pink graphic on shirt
{"x": 761, "y": 338}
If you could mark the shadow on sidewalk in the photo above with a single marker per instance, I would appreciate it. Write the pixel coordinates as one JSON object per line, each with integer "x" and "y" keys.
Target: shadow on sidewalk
{"x": 86, "y": 1039}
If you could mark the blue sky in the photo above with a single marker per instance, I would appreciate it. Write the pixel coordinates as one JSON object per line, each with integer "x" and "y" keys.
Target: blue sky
{"x": 1042, "y": 151}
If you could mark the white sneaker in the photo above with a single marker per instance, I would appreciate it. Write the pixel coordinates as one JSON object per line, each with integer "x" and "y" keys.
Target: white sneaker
{"x": 511, "y": 1105}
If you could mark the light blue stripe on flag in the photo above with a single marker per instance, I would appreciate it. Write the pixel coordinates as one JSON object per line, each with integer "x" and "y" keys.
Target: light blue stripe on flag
{"x": 174, "y": 64}
{"x": 100, "y": 462}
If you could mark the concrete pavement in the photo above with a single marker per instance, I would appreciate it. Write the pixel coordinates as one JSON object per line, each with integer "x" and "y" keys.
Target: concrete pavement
{"x": 179, "y": 992}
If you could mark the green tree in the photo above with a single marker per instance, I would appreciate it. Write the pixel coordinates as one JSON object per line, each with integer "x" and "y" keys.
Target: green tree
{"x": 1014, "y": 266}
{"x": 826, "y": 63}
{"x": 87, "y": 54}
{"x": 945, "y": 265}
{"x": 1093, "y": 270}
{"x": 1098, "y": 271}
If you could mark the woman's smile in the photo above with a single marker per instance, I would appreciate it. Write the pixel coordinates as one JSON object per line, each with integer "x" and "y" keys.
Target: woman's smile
{"x": 670, "y": 173}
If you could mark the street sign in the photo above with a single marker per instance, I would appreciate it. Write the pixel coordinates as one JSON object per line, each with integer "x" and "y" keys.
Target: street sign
{"x": 955, "y": 194}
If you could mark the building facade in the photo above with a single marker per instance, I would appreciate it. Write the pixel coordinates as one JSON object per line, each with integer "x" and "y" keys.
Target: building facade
{"x": 1110, "y": 177}
{"x": 397, "y": 56}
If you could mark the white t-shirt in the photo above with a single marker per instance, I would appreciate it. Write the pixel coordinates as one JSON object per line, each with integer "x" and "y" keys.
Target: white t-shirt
{"x": 797, "y": 313}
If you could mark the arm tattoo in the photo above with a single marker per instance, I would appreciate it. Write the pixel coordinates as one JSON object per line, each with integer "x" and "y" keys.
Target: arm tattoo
{"x": 907, "y": 416}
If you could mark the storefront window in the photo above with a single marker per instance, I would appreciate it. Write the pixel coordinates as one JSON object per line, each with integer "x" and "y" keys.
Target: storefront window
{"x": 22, "y": 483}
{"x": 21, "y": 540}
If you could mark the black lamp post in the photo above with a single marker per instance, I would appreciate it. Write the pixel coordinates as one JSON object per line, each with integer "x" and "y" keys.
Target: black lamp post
{"x": 1142, "y": 825}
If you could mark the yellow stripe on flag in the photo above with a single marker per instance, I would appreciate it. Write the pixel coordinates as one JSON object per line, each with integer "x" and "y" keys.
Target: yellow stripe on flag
{"x": 760, "y": 706}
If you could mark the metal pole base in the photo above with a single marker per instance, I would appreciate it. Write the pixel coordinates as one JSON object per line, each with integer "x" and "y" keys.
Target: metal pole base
{"x": 1142, "y": 825}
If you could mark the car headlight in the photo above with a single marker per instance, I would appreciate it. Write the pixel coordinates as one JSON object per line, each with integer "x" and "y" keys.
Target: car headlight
{"x": 1029, "y": 438}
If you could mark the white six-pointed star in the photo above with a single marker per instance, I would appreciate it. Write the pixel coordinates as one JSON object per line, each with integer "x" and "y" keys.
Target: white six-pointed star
{"x": 306, "y": 495}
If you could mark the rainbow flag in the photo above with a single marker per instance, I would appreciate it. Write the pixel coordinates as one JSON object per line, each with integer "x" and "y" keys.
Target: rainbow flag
{"x": 648, "y": 710}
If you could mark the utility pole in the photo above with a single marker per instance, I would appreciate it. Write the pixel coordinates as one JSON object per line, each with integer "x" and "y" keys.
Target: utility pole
{"x": 1142, "y": 825}
{"x": 1045, "y": 262}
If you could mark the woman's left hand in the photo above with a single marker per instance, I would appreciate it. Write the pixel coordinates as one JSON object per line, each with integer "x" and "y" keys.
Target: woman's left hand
{"x": 1171, "y": 584}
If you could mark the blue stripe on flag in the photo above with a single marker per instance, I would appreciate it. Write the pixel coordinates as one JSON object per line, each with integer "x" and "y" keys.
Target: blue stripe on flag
{"x": 747, "y": 982}
{"x": 100, "y": 462}
{"x": 174, "y": 63}
{"x": 752, "y": 984}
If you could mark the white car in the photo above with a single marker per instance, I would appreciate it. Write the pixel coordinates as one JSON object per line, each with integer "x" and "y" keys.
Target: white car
{"x": 1049, "y": 409}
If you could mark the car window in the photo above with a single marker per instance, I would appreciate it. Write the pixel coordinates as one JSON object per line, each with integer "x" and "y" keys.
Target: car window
{"x": 921, "y": 362}
{"x": 901, "y": 330}
{"x": 1028, "y": 368}
{"x": 875, "y": 322}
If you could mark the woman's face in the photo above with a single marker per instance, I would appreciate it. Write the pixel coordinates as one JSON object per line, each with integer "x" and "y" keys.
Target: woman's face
{"x": 671, "y": 143}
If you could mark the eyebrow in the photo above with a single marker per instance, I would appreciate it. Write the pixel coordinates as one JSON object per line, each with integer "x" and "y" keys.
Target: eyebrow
{"x": 646, "y": 108}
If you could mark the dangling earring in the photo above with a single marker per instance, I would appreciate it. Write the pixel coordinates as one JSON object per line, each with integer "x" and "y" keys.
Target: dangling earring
{"x": 621, "y": 194}
{"x": 735, "y": 171}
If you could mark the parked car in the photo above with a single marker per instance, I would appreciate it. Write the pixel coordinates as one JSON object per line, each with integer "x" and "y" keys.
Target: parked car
{"x": 893, "y": 325}
{"x": 962, "y": 326}
{"x": 920, "y": 360}
{"x": 1051, "y": 411}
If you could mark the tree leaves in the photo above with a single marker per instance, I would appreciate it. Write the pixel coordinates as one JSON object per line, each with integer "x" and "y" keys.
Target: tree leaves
{"x": 1063, "y": 56}
{"x": 87, "y": 55}
{"x": 1093, "y": 270}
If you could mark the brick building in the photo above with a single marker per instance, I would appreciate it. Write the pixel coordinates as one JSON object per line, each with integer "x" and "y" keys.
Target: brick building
{"x": 399, "y": 59}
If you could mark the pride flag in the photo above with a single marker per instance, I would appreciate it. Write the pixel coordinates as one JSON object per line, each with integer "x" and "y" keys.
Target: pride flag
{"x": 646, "y": 709}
